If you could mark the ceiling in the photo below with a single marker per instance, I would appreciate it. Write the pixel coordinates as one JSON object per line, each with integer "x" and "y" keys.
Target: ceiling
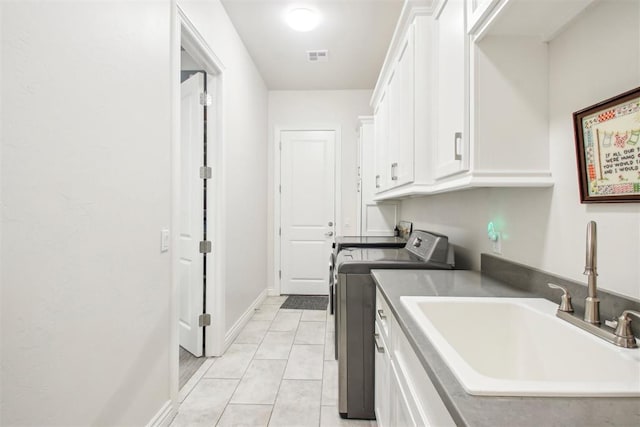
{"x": 356, "y": 33}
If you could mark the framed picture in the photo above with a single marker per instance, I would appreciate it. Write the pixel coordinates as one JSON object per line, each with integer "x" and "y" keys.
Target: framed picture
{"x": 608, "y": 149}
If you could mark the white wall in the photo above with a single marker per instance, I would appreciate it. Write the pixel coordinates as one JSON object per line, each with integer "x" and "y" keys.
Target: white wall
{"x": 85, "y": 173}
{"x": 244, "y": 159}
{"x": 85, "y": 192}
{"x": 545, "y": 228}
{"x": 307, "y": 109}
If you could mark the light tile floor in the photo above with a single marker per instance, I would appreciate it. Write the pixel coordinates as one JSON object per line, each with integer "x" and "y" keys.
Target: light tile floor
{"x": 280, "y": 371}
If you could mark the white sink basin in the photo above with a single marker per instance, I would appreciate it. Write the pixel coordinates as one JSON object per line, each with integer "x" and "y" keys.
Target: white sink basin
{"x": 518, "y": 347}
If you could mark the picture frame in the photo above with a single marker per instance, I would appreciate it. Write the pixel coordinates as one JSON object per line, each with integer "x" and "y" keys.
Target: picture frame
{"x": 607, "y": 138}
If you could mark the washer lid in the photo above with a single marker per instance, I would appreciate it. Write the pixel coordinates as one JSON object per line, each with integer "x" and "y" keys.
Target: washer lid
{"x": 363, "y": 260}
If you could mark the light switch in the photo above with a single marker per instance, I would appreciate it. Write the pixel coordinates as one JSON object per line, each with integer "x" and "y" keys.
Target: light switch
{"x": 164, "y": 240}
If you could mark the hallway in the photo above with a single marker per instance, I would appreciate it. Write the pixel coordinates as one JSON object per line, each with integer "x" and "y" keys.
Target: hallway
{"x": 280, "y": 371}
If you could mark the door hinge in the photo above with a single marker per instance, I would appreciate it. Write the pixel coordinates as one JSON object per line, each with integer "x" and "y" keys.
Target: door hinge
{"x": 205, "y": 172}
{"x": 205, "y": 246}
{"x": 205, "y": 99}
{"x": 204, "y": 320}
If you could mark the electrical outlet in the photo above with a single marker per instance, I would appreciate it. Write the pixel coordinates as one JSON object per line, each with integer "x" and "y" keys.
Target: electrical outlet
{"x": 496, "y": 244}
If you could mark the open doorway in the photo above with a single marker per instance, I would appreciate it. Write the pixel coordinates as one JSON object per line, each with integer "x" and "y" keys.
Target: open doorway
{"x": 196, "y": 211}
{"x": 192, "y": 284}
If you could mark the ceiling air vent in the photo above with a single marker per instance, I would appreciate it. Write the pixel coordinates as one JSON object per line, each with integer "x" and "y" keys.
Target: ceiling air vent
{"x": 318, "y": 55}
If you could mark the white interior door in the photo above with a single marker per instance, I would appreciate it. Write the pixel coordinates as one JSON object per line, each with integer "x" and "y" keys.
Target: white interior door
{"x": 307, "y": 210}
{"x": 191, "y": 284}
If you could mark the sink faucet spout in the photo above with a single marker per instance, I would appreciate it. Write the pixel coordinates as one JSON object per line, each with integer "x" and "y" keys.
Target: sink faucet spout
{"x": 592, "y": 303}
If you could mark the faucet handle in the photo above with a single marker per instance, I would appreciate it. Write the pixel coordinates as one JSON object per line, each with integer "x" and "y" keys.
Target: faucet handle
{"x": 624, "y": 333}
{"x": 565, "y": 302}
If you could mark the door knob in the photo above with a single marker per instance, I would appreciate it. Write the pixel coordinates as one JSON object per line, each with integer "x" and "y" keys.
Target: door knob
{"x": 329, "y": 233}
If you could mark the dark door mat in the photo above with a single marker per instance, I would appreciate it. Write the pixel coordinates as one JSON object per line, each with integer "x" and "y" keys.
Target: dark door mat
{"x": 306, "y": 302}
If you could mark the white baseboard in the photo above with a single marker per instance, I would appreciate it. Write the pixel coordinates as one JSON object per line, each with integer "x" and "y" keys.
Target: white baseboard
{"x": 233, "y": 332}
{"x": 165, "y": 415}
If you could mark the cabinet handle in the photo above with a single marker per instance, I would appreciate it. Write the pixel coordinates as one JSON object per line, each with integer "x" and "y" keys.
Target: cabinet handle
{"x": 378, "y": 346}
{"x": 377, "y": 181}
{"x": 381, "y": 314}
{"x": 394, "y": 169}
{"x": 457, "y": 139}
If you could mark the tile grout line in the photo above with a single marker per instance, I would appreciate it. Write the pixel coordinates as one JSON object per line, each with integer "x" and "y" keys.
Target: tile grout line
{"x": 226, "y": 405}
{"x": 213, "y": 359}
{"x": 285, "y": 367}
{"x": 295, "y": 331}
{"x": 283, "y": 371}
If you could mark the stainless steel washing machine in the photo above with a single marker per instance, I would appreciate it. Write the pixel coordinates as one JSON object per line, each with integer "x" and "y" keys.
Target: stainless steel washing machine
{"x": 355, "y": 311}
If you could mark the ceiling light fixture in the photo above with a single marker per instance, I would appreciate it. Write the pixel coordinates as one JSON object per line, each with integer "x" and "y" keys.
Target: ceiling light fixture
{"x": 302, "y": 19}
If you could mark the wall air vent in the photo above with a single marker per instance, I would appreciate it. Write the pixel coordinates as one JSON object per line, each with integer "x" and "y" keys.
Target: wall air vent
{"x": 318, "y": 55}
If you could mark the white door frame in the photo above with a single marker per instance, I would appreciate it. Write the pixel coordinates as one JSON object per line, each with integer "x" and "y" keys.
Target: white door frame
{"x": 185, "y": 34}
{"x": 277, "y": 196}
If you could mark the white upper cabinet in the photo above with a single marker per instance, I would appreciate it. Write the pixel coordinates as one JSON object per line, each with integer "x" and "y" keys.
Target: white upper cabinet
{"x": 462, "y": 97}
{"x": 402, "y": 166}
{"x": 451, "y": 142}
{"x": 375, "y": 219}
{"x": 393, "y": 129}
{"x": 381, "y": 120}
{"x": 394, "y": 118}
{"x": 399, "y": 113}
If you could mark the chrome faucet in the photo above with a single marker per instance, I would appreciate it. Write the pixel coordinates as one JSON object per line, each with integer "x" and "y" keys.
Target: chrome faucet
{"x": 592, "y": 303}
{"x": 623, "y": 335}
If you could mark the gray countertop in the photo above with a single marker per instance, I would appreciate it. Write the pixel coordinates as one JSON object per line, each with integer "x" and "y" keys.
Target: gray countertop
{"x": 492, "y": 411}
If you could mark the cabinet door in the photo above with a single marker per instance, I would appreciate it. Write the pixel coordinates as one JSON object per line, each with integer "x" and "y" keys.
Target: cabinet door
{"x": 393, "y": 102}
{"x": 382, "y": 365}
{"x": 381, "y": 118}
{"x": 402, "y": 169}
{"x": 400, "y": 410}
{"x": 376, "y": 219}
{"x": 451, "y": 144}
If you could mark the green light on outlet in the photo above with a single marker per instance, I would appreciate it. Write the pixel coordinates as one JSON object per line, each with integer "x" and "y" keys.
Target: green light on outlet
{"x": 491, "y": 232}
{"x": 495, "y": 238}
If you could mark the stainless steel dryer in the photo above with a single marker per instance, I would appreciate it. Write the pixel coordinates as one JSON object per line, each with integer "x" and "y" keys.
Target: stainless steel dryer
{"x": 355, "y": 311}
{"x": 350, "y": 242}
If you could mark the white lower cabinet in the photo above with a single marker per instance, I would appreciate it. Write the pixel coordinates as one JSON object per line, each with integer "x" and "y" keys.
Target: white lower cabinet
{"x": 382, "y": 389}
{"x": 405, "y": 396}
{"x": 401, "y": 414}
